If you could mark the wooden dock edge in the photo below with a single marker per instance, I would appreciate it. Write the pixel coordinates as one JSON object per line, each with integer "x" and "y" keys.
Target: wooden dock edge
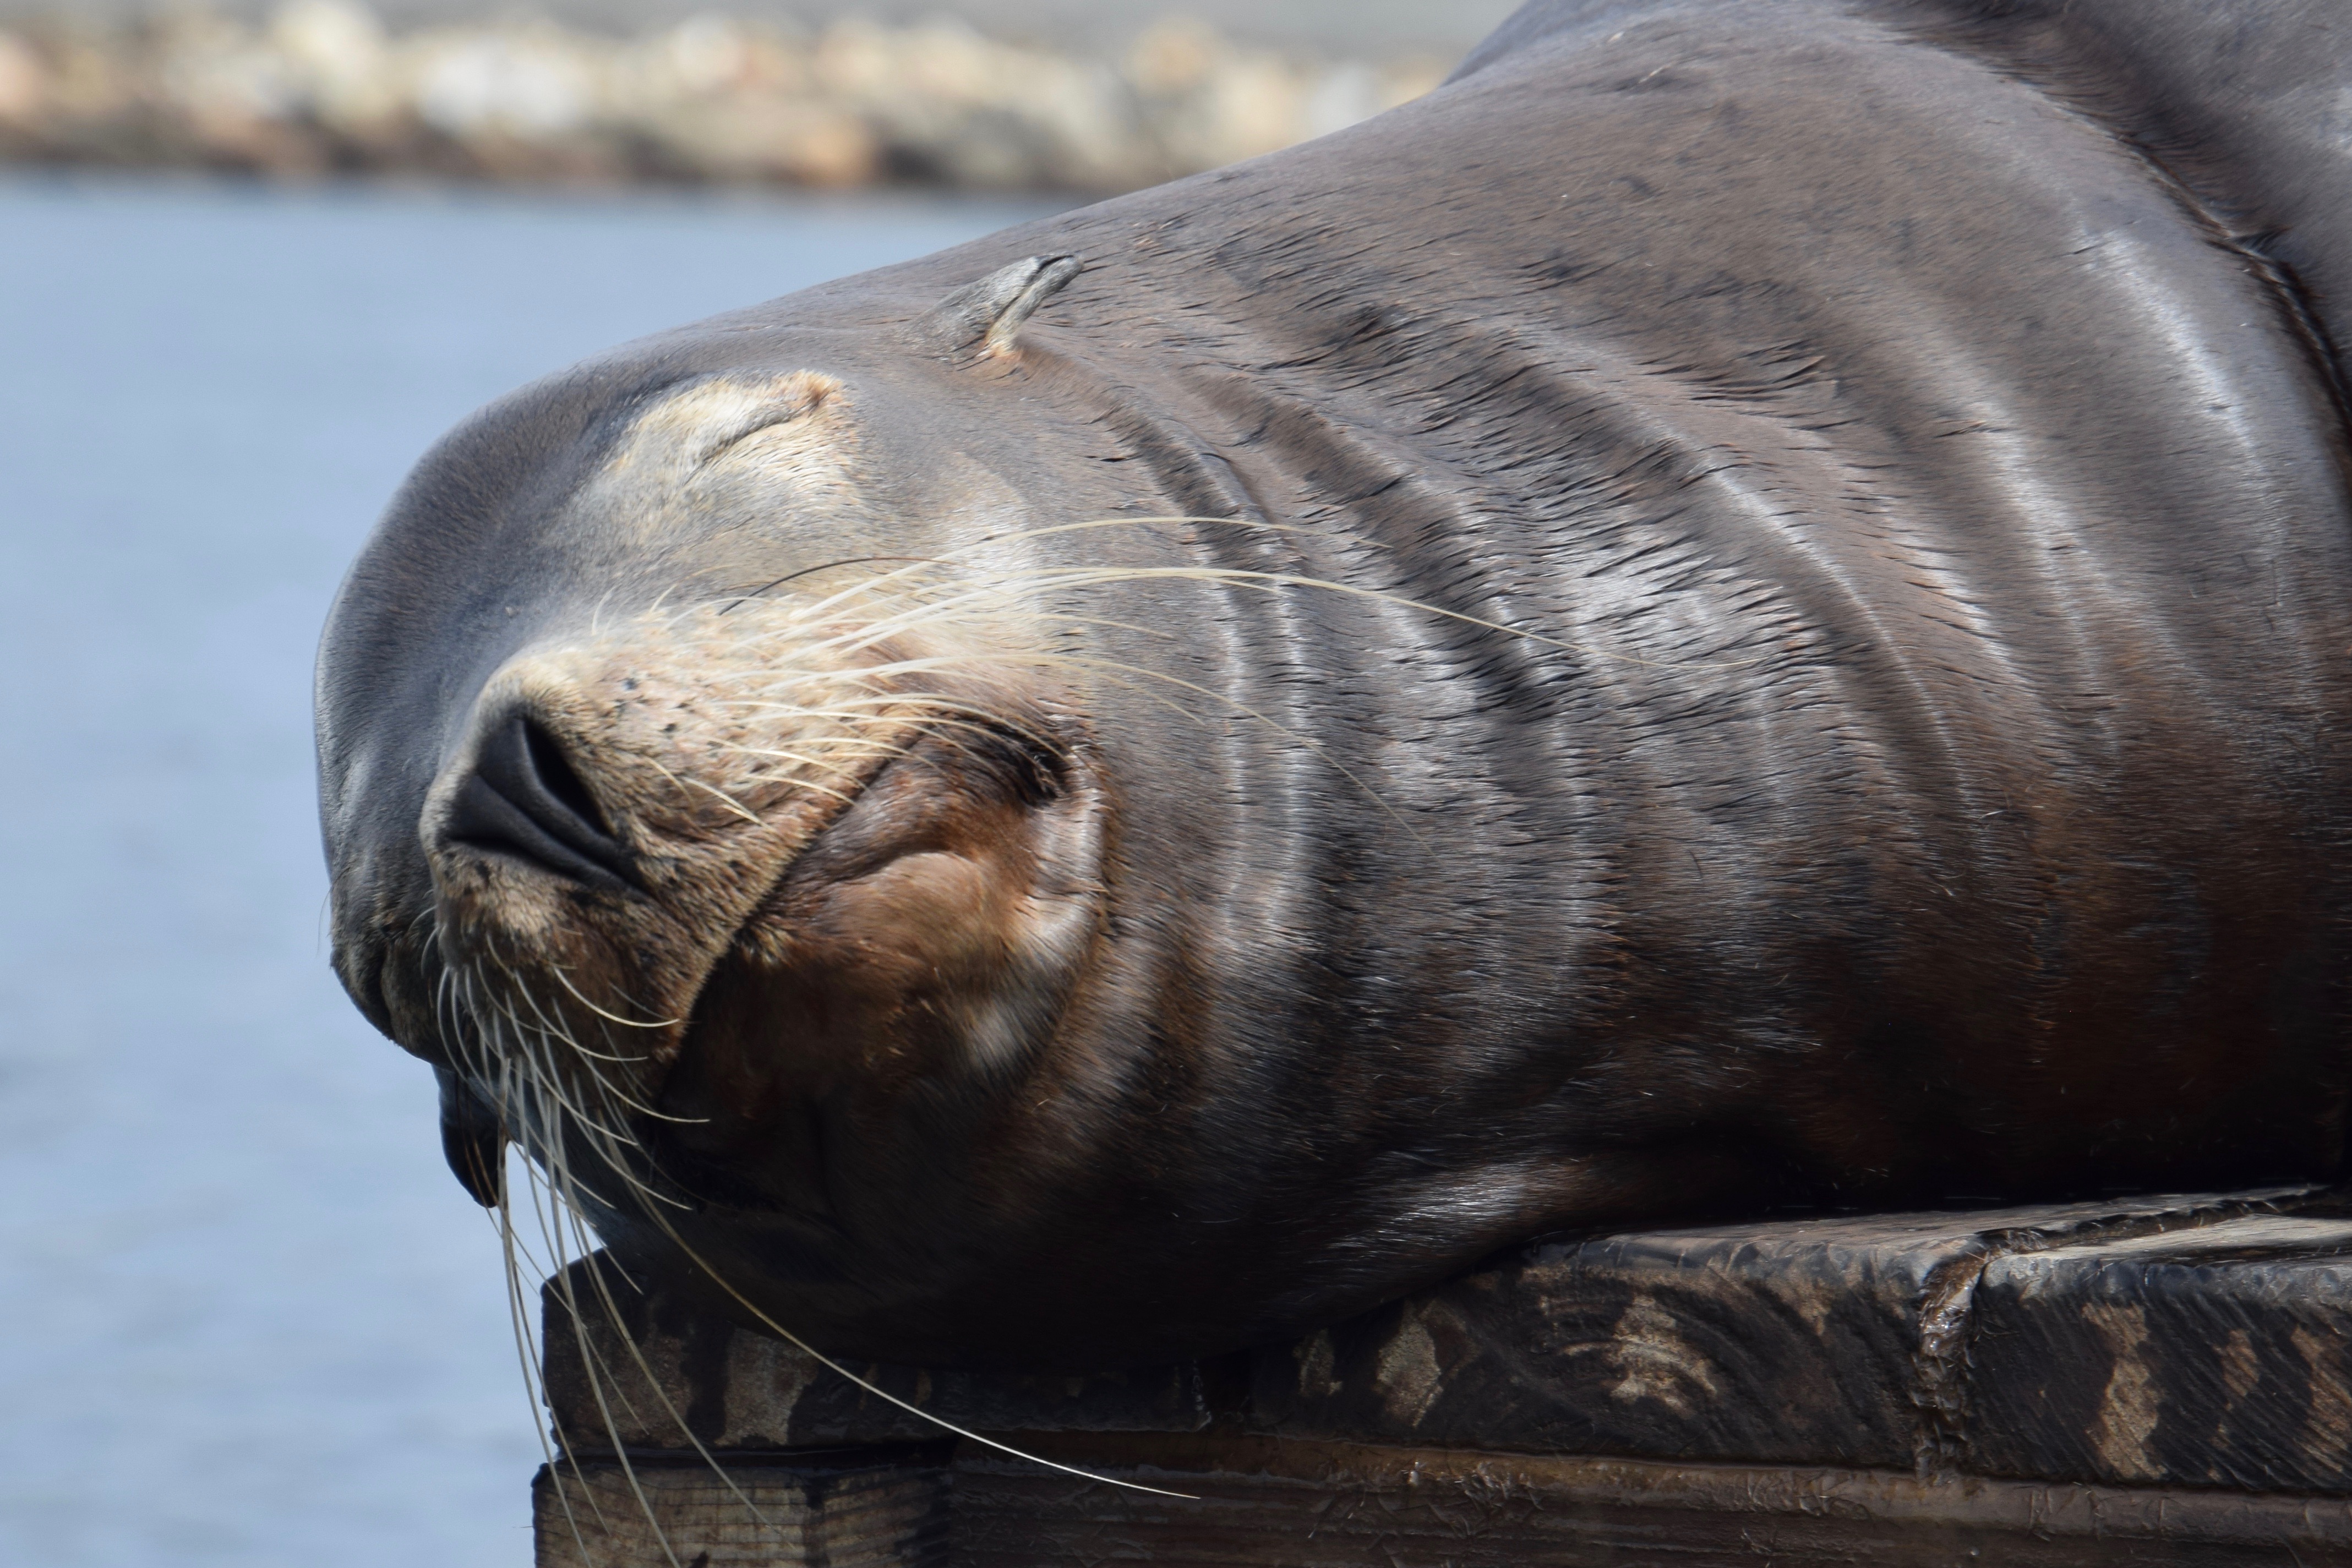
{"x": 1260, "y": 1501}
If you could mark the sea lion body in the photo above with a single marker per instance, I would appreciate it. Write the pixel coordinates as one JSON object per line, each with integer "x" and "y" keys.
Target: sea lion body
{"x": 1777, "y": 632}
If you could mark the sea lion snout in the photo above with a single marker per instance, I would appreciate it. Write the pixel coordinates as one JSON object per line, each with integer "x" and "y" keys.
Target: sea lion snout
{"x": 779, "y": 854}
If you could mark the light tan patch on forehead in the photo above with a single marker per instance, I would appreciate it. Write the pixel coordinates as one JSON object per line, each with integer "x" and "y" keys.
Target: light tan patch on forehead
{"x": 731, "y": 451}
{"x": 700, "y": 422}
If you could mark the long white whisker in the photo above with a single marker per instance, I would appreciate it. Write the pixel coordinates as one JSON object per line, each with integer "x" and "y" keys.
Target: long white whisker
{"x": 590, "y": 1363}
{"x": 836, "y": 1367}
{"x": 565, "y": 980}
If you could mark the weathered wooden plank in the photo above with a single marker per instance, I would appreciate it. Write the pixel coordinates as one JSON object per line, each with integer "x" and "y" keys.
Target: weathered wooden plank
{"x": 1277, "y": 1503}
{"x": 1905, "y": 1389}
{"x": 625, "y": 1369}
{"x": 885, "y": 1508}
{"x": 2215, "y": 1356}
{"x": 1819, "y": 1340}
{"x": 1830, "y": 1341}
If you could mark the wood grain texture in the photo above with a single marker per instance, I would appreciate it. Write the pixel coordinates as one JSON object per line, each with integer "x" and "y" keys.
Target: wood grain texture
{"x": 2161, "y": 1380}
{"x": 1275, "y": 1503}
{"x": 1272, "y": 1503}
{"x": 1835, "y": 1341}
{"x": 2217, "y": 1355}
{"x": 665, "y": 1376}
{"x": 870, "y": 1508}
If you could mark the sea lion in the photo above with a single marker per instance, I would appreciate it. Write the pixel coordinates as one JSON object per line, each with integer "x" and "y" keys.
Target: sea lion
{"x": 1747, "y": 604}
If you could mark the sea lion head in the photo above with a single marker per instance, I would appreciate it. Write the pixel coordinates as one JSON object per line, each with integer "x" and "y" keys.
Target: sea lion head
{"x": 705, "y": 802}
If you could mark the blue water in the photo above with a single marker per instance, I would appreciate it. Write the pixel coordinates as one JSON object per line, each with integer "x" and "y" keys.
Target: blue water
{"x": 246, "y": 1315}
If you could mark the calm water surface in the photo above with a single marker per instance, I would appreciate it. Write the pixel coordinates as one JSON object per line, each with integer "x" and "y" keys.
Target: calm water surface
{"x": 250, "y": 1318}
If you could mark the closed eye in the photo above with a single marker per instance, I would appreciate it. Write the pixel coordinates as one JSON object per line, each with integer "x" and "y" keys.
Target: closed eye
{"x": 766, "y": 418}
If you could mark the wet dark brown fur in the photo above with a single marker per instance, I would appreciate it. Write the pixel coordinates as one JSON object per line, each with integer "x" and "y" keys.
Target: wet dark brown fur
{"x": 1826, "y": 685}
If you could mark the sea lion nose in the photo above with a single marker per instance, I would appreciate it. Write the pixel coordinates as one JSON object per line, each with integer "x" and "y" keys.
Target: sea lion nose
{"x": 524, "y": 800}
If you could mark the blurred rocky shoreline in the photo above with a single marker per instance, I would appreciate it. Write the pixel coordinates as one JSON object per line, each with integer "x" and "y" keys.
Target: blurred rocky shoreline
{"x": 324, "y": 86}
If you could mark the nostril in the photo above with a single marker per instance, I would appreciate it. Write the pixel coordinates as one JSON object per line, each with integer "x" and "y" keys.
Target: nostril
{"x": 553, "y": 770}
{"x": 525, "y": 801}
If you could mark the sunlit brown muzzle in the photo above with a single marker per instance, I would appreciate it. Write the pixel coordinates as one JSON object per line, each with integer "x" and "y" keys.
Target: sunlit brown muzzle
{"x": 624, "y": 810}
{"x": 617, "y": 809}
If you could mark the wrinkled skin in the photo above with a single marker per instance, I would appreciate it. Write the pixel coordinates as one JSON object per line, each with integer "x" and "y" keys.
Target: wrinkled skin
{"x": 1832, "y": 694}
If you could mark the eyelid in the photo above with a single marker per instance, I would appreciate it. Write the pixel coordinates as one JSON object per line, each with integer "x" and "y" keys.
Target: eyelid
{"x": 766, "y": 419}
{"x": 799, "y": 403}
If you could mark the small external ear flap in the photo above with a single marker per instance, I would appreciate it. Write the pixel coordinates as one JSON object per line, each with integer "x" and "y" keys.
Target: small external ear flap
{"x": 985, "y": 315}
